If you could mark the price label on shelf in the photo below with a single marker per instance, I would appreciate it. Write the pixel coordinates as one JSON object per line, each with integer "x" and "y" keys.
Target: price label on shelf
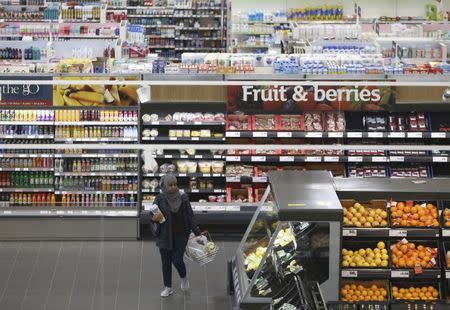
{"x": 258, "y": 158}
{"x": 398, "y": 159}
{"x": 357, "y": 159}
{"x": 446, "y": 232}
{"x": 331, "y": 159}
{"x": 349, "y": 232}
{"x": 22, "y": 155}
{"x": 195, "y": 138}
{"x": 59, "y": 212}
{"x": 313, "y": 135}
{"x": 182, "y": 174}
{"x": 171, "y": 138}
{"x": 440, "y": 159}
{"x": 399, "y": 274}
{"x": 70, "y": 212}
{"x": 439, "y": 135}
{"x": 287, "y": 158}
{"x": 198, "y": 156}
{"x": 260, "y": 134}
{"x": 218, "y": 190}
{"x": 284, "y": 134}
{"x": 44, "y": 212}
{"x": 335, "y": 135}
{"x": 7, "y": 212}
{"x": 233, "y": 208}
{"x": 84, "y": 212}
{"x": 379, "y": 159}
{"x": 182, "y": 156}
{"x": 375, "y": 135}
{"x": 259, "y": 179}
{"x": 354, "y": 134}
{"x": 313, "y": 159}
{"x": 233, "y": 158}
{"x": 447, "y": 274}
{"x": 232, "y": 134}
{"x": 349, "y": 273}
{"x": 398, "y": 233}
{"x": 396, "y": 135}
{"x": 195, "y": 191}
{"x": 168, "y": 156}
{"x": 414, "y": 135}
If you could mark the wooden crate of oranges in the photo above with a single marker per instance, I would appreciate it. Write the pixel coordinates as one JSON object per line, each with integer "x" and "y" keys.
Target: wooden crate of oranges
{"x": 414, "y": 214}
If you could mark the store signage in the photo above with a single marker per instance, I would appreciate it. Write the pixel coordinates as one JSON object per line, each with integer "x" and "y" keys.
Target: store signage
{"x": 279, "y": 93}
{"x": 26, "y": 94}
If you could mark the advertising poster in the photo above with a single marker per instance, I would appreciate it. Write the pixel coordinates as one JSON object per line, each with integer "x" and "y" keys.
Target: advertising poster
{"x": 25, "y": 94}
{"x": 95, "y": 95}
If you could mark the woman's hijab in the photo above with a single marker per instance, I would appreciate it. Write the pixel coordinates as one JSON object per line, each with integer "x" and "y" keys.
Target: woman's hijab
{"x": 174, "y": 199}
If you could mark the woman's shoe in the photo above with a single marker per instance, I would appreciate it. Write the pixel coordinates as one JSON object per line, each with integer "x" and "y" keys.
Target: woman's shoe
{"x": 167, "y": 291}
{"x": 184, "y": 284}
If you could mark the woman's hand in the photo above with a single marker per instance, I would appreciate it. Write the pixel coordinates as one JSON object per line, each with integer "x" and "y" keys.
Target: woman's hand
{"x": 157, "y": 217}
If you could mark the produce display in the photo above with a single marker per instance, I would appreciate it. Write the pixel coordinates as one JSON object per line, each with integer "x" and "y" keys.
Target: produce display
{"x": 406, "y": 254}
{"x": 412, "y": 214}
{"x": 366, "y": 257}
{"x": 363, "y": 291}
{"x": 360, "y": 216}
{"x": 415, "y": 292}
{"x": 447, "y": 217}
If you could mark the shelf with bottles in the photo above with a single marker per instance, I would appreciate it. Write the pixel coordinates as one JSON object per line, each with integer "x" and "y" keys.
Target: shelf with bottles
{"x": 110, "y": 166}
{"x": 27, "y": 164}
{"x": 96, "y": 184}
{"x": 77, "y": 154}
{"x": 26, "y": 153}
{"x": 96, "y": 133}
{"x": 97, "y": 200}
{"x": 96, "y": 117}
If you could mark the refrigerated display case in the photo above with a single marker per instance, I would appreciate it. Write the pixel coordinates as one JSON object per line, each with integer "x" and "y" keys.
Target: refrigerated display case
{"x": 290, "y": 255}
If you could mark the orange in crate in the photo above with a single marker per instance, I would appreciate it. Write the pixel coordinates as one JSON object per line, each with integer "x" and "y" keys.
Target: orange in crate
{"x": 414, "y": 215}
{"x": 406, "y": 254}
{"x": 364, "y": 291}
{"x": 415, "y": 293}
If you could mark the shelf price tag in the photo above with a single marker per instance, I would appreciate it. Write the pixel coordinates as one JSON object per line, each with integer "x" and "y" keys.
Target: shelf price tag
{"x": 218, "y": 191}
{"x": 397, "y": 159}
{"x": 313, "y": 135}
{"x": 258, "y": 158}
{"x": 313, "y": 159}
{"x": 439, "y": 135}
{"x": 233, "y": 158}
{"x": 260, "y": 134}
{"x": 414, "y": 135}
{"x": 168, "y": 156}
{"x": 398, "y": 233}
{"x": 84, "y": 212}
{"x": 440, "y": 159}
{"x": 399, "y": 274}
{"x": 233, "y": 208}
{"x": 22, "y": 155}
{"x": 396, "y": 135}
{"x": 287, "y": 158}
{"x": 59, "y": 212}
{"x": 284, "y": 134}
{"x": 375, "y": 135}
{"x": 335, "y": 135}
{"x": 357, "y": 159}
{"x": 349, "y": 232}
{"x": 7, "y": 212}
{"x": 354, "y": 134}
{"x": 349, "y": 273}
{"x": 195, "y": 138}
{"x": 232, "y": 134}
{"x": 331, "y": 159}
{"x": 446, "y": 232}
{"x": 447, "y": 274}
{"x": 259, "y": 179}
{"x": 379, "y": 159}
{"x": 172, "y": 138}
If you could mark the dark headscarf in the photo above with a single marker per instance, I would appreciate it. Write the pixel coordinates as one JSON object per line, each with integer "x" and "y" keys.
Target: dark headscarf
{"x": 174, "y": 199}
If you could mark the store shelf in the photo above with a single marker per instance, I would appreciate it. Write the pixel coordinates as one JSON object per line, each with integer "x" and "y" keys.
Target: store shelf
{"x": 179, "y": 156}
{"x": 26, "y": 169}
{"x": 206, "y": 139}
{"x": 162, "y": 46}
{"x": 198, "y": 8}
{"x": 93, "y": 174}
{"x": 99, "y": 155}
{"x": 199, "y": 48}
{"x": 92, "y": 123}
{"x": 350, "y": 134}
{"x": 96, "y": 139}
{"x": 171, "y": 123}
{"x": 200, "y": 39}
{"x": 27, "y": 136}
{"x": 26, "y": 190}
{"x": 25, "y": 155}
{"x": 246, "y": 179}
{"x": 228, "y": 207}
{"x": 2, "y": 123}
{"x": 331, "y": 159}
{"x": 197, "y": 16}
{"x": 198, "y": 28}
{"x": 190, "y": 191}
{"x": 63, "y": 192}
{"x": 391, "y": 232}
{"x": 187, "y": 175}
{"x": 65, "y": 211}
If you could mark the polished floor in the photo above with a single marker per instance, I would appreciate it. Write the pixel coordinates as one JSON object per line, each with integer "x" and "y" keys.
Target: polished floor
{"x": 110, "y": 275}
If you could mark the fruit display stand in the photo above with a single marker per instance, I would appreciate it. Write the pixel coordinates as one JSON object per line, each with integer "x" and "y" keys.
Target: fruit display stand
{"x": 291, "y": 255}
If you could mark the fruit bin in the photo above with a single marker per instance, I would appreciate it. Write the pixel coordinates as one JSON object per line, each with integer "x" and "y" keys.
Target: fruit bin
{"x": 374, "y": 285}
{"x": 349, "y": 206}
{"x": 446, "y": 216}
{"x": 446, "y": 255}
{"x": 264, "y": 122}
{"x": 381, "y": 247}
{"x": 238, "y": 122}
{"x": 406, "y": 247}
{"x": 414, "y": 214}
{"x": 405, "y": 304}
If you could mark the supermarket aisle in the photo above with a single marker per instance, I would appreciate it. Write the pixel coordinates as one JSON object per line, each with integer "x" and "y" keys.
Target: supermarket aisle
{"x": 92, "y": 275}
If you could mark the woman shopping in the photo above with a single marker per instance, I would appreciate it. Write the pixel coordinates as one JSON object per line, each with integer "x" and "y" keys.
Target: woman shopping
{"x": 174, "y": 231}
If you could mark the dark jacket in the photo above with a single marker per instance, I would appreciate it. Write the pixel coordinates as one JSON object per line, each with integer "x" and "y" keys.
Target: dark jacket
{"x": 164, "y": 239}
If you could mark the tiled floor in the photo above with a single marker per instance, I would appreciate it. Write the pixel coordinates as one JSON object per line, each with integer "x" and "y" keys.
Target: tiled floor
{"x": 91, "y": 275}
